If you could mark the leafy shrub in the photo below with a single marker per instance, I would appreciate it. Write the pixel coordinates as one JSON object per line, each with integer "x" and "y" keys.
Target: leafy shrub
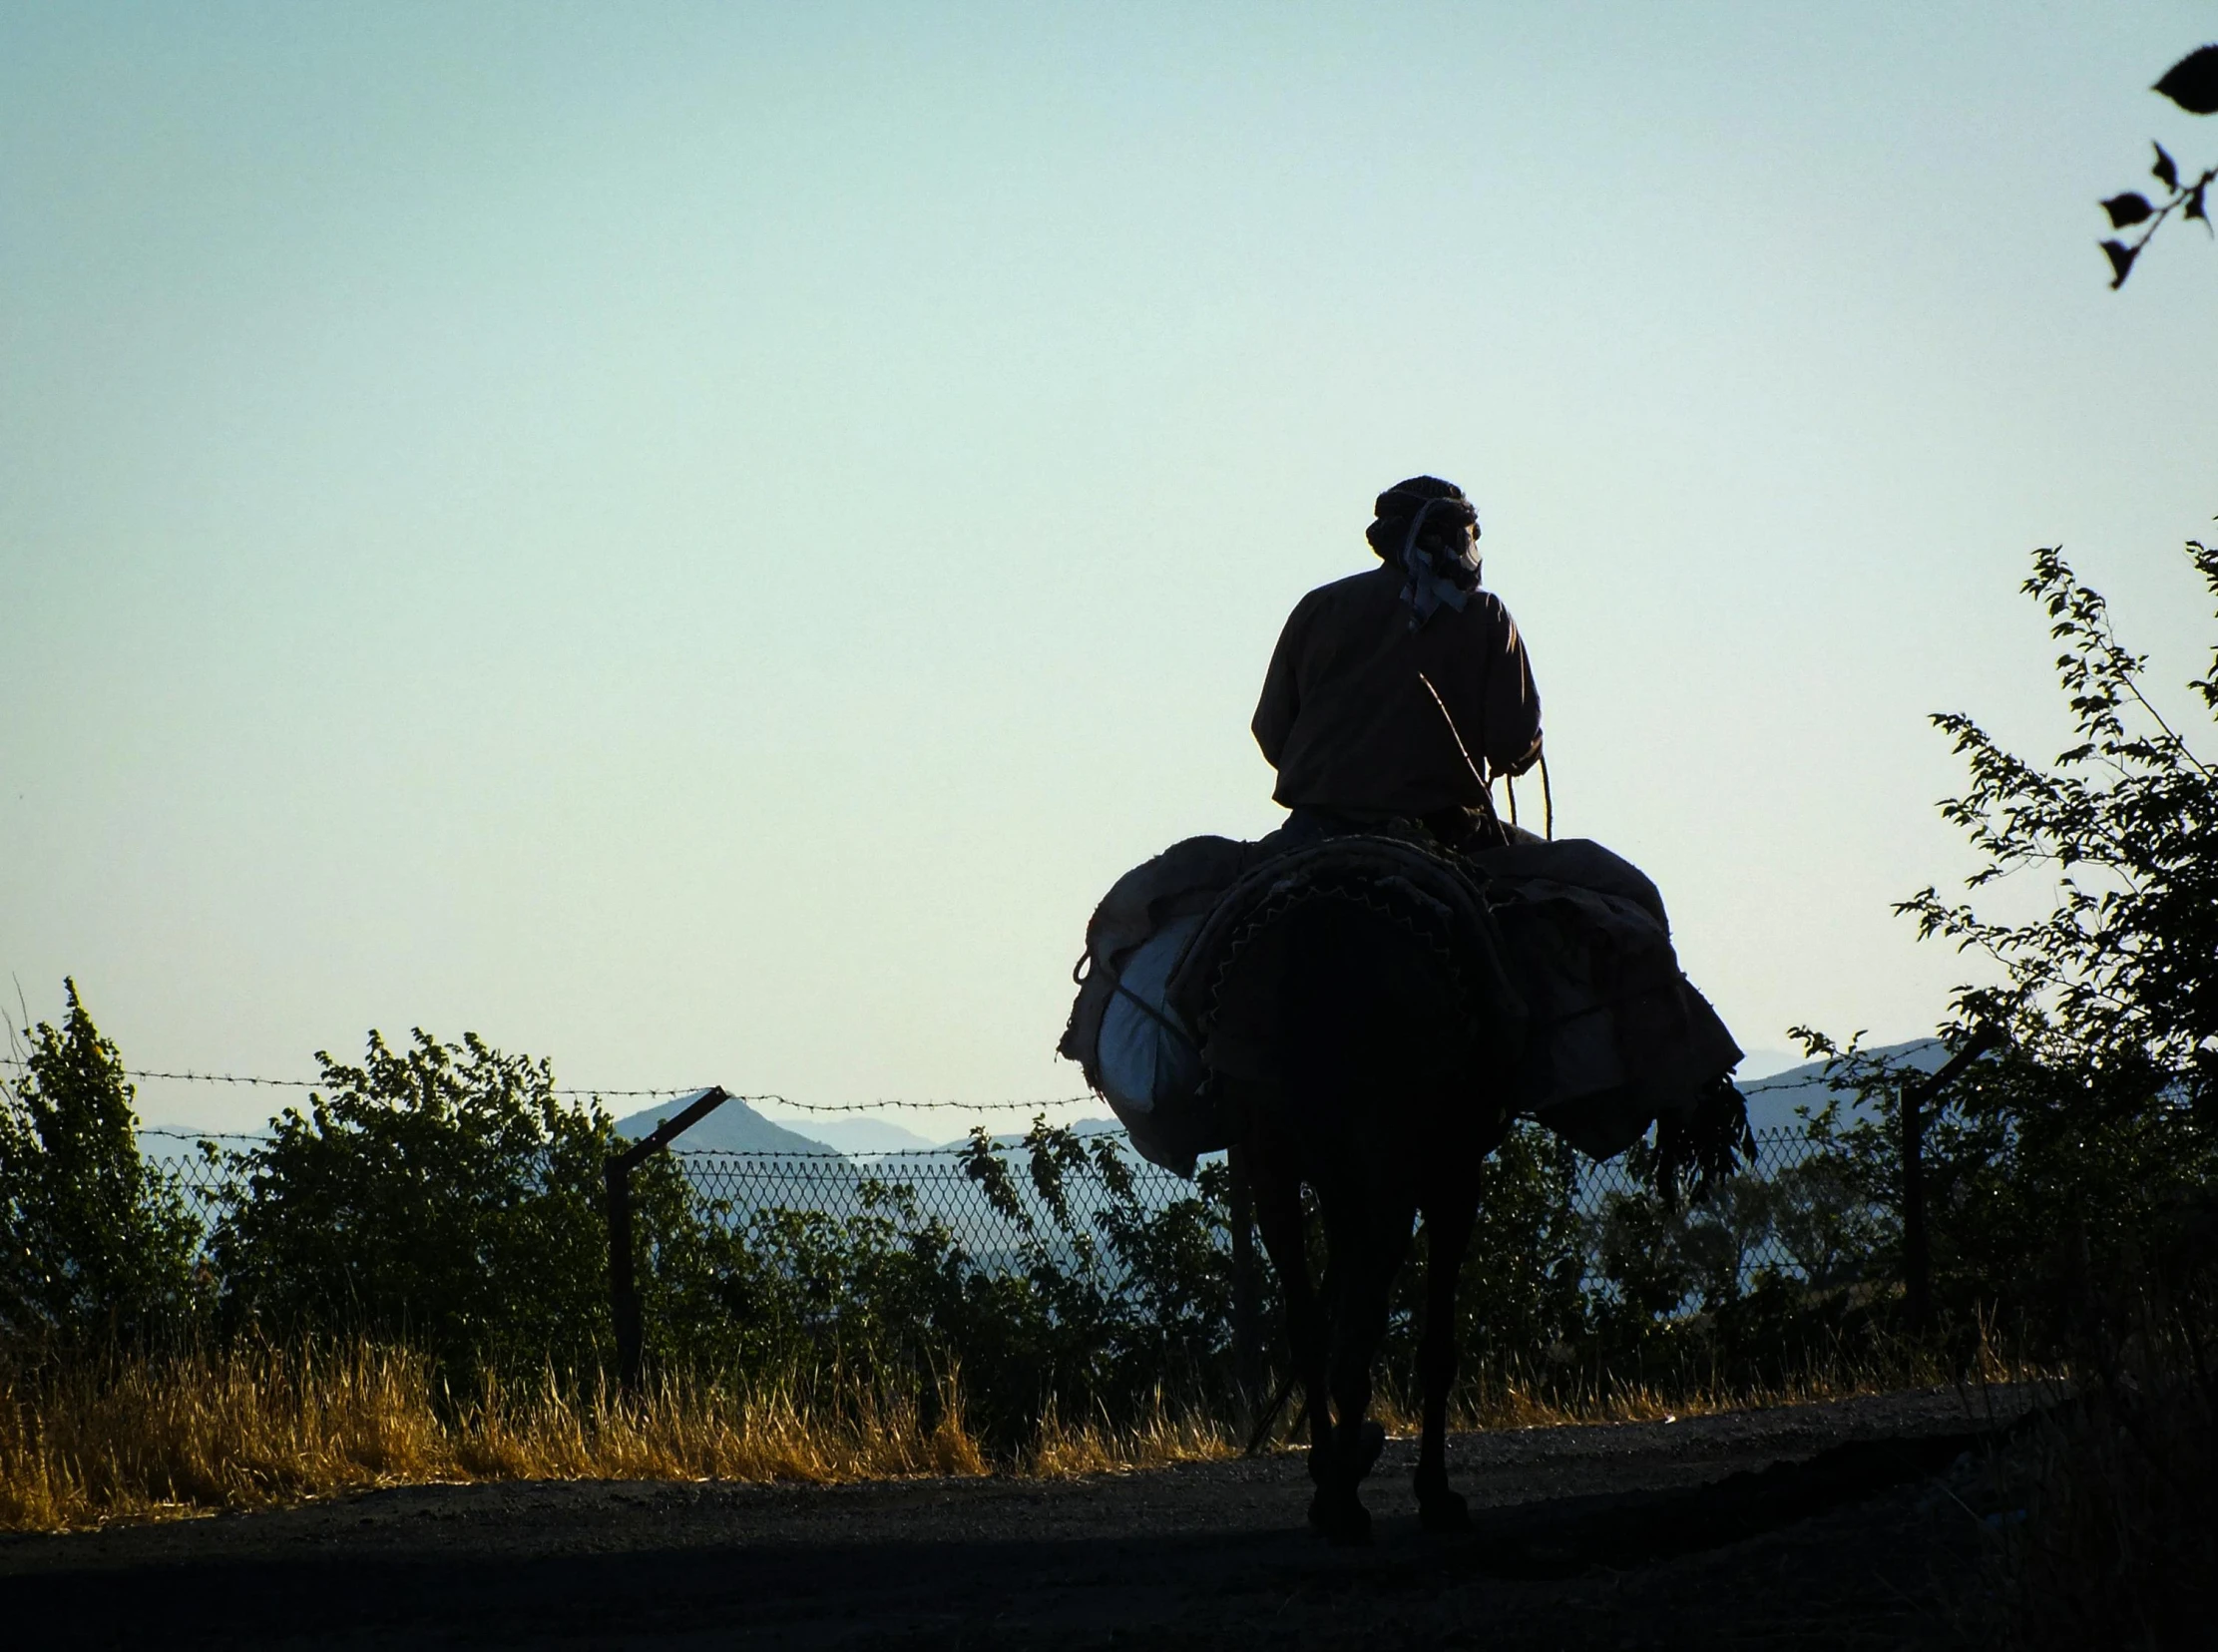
{"x": 1106, "y": 1299}
{"x": 2077, "y": 1144}
{"x": 1520, "y": 1292}
{"x": 1823, "y": 1215}
{"x": 1659, "y": 1255}
{"x": 444, "y": 1195}
{"x": 1678, "y": 1305}
{"x": 91, "y": 1240}
{"x": 1100, "y": 1300}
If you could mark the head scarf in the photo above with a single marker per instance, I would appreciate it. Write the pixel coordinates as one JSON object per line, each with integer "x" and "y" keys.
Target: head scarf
{"x": 1432, "y": 578}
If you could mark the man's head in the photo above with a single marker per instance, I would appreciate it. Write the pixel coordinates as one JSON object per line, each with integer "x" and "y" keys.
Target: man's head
{"x": 1427, "y": 513}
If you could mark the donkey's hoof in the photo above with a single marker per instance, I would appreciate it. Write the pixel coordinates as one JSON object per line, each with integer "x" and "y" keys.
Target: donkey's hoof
{"x": 1340, "y": 1519}
{"x": 1443, "y": 1510}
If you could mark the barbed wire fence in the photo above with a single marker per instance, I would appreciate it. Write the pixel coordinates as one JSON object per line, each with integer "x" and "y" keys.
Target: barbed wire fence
{"x": 741, "y": 1186}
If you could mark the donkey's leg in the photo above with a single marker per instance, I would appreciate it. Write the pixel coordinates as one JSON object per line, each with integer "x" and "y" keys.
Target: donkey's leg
{"x": 1278, "y": 1221}
{"x": 1367, "y": 1248}
{"x": 1448, "y": 1224}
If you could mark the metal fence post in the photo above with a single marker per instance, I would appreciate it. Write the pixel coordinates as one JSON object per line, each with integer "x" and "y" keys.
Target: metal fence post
{"x": 1913, "y": 1099}
{"x": 624, "y": 1284}
{"x": 624, "y": 1289}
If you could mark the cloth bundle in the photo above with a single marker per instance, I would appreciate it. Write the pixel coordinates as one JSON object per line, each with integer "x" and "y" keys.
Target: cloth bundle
{"x": 1561, "y": 956}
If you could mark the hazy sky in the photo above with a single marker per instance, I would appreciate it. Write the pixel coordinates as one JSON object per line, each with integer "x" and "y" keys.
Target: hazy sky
{"x": 698, "y": 540}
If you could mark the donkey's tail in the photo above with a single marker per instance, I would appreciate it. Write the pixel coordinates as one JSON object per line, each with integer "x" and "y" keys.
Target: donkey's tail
{"x": 1704, "y": 1146}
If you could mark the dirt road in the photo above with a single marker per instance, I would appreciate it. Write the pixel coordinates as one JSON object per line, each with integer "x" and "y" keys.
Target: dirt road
{"x": 1823, "y": 1526}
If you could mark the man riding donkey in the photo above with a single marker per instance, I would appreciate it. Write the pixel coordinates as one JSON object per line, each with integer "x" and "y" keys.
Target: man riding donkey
{"x": 1390, "y": 688}
{"x": 1364, "y": 1001}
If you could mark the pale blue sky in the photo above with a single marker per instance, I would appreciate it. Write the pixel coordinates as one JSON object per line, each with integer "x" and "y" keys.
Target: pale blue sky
{"x": 698, "y": 540}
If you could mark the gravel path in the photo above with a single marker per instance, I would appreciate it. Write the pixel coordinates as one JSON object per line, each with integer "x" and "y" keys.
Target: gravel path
{"x": 1817, "y": 1525}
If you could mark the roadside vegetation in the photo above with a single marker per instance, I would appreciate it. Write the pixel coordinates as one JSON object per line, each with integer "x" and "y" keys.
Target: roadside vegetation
{"x": 2072, "y": 1175}
{"x": 183, "y": 1432}
{"x": 408, "y": 1281}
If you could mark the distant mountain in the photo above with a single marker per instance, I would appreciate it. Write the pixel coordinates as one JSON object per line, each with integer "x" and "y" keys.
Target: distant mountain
{"x": 1078, "y": 1126}
{"x": 1772, "y": 1099}
{"x": 734, "y": 1127}
{"x": 1763, "y": 1064}
{"x": 864, "y": 1136}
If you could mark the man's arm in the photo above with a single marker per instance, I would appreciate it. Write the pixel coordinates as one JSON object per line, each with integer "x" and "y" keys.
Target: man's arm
{"x": 1512, "y": 705}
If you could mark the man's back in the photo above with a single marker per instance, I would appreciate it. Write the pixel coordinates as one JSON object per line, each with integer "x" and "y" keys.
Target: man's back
{"x": 1348, "y": 723}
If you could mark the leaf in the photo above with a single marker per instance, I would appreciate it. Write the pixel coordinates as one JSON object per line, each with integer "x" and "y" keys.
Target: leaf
{"x": 2127, "y": 208}
{"x": 2122, "y": 260}
{"x": 2192, "y": 81}
{"x": 2194, "y": 207}
{"x": 2164, "y": 171}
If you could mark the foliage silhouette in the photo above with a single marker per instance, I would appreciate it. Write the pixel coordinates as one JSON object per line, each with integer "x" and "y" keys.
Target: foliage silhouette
{"x": 2191, "y": 83}
{"x": 2092, "y": 1136}
{"x": 93, "y": 1240}
{"x": 443, "y": 1194}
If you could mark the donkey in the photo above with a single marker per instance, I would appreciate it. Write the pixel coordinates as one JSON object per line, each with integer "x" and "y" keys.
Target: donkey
{"x": 1356, "y": 1051}
{"x": 1372, "y": 1092}
{"x": 1362, "y": 1035}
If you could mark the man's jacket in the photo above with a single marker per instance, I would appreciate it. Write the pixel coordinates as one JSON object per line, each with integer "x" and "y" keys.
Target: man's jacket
{"x": 1348, "y": 724}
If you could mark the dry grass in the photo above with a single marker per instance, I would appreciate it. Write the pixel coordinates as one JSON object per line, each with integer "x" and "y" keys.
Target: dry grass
{"x": 251, "y": 1427}
{"x": 1167, "y": 1435}
{"x": 1547, "y": 1396}
{"x": 1514, "y": 1402}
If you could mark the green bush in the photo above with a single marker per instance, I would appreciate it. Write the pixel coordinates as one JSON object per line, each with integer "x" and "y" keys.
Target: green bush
{"x": 93, "y": 1242}
{"x": 2078, "y": 1147}
{"x": 1111, "y": 1299}
{"x": 444, "y": 1195}
{"x": 1519, "y": 1293}
{"x": 1107, "y": 1299}
{"x": 1100, "y": 1301}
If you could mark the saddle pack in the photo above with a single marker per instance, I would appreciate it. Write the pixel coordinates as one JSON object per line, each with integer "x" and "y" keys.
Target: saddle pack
{"x": 1559, "y": 954}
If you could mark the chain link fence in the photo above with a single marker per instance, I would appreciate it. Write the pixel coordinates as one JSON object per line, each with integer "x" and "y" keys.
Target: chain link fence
{"x": 1763, "y": 1220}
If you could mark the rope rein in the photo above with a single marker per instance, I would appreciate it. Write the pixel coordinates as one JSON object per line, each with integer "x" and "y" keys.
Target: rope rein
{"x": 1486, "y": 791}
{"x": 1509, "y": 781}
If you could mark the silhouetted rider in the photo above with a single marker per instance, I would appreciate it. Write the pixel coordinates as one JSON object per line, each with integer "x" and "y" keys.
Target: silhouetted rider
{"x": 1346, "y": 716}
